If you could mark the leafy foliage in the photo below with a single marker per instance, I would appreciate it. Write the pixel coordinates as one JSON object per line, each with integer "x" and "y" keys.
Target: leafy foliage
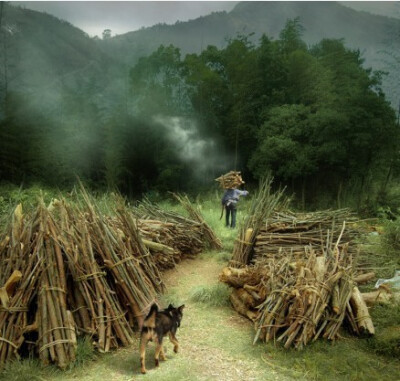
{"x": 312, "y": 116}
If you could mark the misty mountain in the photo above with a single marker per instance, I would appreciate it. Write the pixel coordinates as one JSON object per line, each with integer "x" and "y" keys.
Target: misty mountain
{"x": 74, "y": 105}
{"x": 46, "y": 58}
{"x": 46, "y": 54}
{"x": 376, "y": 36}
{"x": 383, "y": 8}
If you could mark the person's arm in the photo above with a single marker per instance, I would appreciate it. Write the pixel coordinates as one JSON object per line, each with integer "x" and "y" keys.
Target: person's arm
{"x": 239, "y": 192}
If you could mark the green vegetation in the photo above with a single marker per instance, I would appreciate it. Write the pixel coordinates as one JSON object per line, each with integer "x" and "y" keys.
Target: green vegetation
{"x": 26, "y": 370}
{"x": 311, "y": 115}
{"x": 216, "y": 343}
{"x": 215, "y": 295}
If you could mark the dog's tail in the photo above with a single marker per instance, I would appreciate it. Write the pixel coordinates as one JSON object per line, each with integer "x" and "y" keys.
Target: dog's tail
{"x": 153, "y": 308}
{"x": 150, "y": 321}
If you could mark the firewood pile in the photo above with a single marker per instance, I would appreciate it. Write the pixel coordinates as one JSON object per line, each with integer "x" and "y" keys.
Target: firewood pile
{"x": 70, "y": 269}
{"x": 70, "y": 272}
{"x": 171, "y": 237}
{"x": 296, "y": 300}
{"x": 288, "y": 233}
{"x": 295, "y": 275}
{"x": 230, "y": 180}
{"x": 210, "y": 238}
{"x": 159, "y": 237}
{"x": 264, "y": 204}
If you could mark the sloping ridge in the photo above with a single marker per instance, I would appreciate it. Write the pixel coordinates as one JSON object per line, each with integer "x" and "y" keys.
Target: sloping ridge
{"x": 373, "y": 35}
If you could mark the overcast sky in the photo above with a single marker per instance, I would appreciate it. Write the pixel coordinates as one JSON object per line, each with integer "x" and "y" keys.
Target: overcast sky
{"x": 125, "y": 16}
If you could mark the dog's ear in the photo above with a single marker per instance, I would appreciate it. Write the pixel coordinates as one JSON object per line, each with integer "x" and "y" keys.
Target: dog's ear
{"x": 170, "y": 307}
{"x": 181, "y": 308}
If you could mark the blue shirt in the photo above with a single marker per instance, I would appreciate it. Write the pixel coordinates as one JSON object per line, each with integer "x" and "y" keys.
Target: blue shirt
{"x": 232, "y": 196}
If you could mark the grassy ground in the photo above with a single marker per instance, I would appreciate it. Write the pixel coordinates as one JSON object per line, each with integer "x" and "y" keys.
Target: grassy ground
{"x": 216, "y": 343}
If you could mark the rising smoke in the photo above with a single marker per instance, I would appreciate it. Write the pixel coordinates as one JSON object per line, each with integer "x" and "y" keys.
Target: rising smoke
{"x": 202, "y": 153}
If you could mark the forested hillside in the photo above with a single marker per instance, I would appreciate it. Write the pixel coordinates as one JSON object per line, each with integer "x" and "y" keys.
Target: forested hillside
{"x": 377, "y": 37}
{"x": 130, "y": 114}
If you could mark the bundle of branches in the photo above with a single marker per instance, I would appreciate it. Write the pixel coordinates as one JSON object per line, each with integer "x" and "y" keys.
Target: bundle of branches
{"x": 264, "y": 203}
{"x": 68, "y": 270}
{"x": 209, "y": 236}
{"x": 159, "y": 237}
{"x": 295, "y": 301}
{"x": 188, "y": 235}
{"x": 230, "y": 180}
{"x": 20, "y": 270}
{"x": 288, "y": 233}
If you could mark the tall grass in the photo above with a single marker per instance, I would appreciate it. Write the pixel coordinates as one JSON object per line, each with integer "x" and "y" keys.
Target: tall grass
{"x": 84, "y": 352}
{"x": 216, "y": 295}
{"x": 26, "y": 370}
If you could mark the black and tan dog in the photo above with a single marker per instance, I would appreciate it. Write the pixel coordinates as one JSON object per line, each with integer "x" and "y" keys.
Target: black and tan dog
{"x": 156, "y": 325}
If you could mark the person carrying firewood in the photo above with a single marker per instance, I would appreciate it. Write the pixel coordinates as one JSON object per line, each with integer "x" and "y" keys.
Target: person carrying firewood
{"x": 229, "y": 201}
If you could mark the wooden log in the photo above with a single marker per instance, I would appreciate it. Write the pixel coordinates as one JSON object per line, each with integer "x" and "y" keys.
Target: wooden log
{"x": 248, "y": 235}
{"x": 364, "y": 278}
{"x": 246, "y": 297}
{"x": 240, "y": 307}
{"x": 154, "y": 246}
{"x": 360, "y": 310}
{"x": 335, "y": 300}
{"x": 253, "y": 291}
{"x": 234, "y": 277}
{"x": 380, "y": 296}
{"x": 320, "y": 268}
{"x": 8, "y": 289}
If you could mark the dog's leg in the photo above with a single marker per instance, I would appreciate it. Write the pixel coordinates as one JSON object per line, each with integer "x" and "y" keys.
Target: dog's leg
{"x": 143, "y": 342}
{"x": 174, "y": 341}
{"x": 162, "y": 354}
{"x": 157, "y": 352}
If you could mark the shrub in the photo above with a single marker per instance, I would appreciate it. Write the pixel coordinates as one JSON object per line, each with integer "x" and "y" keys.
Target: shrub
{"x": 216, "y": 295}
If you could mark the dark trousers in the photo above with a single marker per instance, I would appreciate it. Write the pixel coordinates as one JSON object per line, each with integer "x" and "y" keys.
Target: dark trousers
{"x": 230, "y": 211}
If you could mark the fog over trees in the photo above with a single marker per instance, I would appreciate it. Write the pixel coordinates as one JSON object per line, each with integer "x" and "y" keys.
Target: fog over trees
{"x": 312, "y": 114}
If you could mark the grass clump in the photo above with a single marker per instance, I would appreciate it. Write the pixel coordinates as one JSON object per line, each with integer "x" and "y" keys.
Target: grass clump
{"x": 346, "y": 359}
{"x": 171, "y": 297}
{"x": 85, "y": 352}
{"x": 216, "y": 295}
{"x": 391, "y": 237}
{"x": 25, "y": 370}
{"x": 386, "y": 319}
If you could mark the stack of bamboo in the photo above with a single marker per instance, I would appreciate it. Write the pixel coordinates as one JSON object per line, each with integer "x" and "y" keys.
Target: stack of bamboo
{"x": 71, "y": 269}
{"x": 185, "y": 236}
{"x": 263, "y": 205}
{"x": 159, "y": 237}
{"x": 295, "y": 300}
{"x": 293, "y": 274}
{"x": 288, "y": 233}
{"x": 78, "y": 276}
{"x": 230, "y": 180}
{"x": 209, "y": 236}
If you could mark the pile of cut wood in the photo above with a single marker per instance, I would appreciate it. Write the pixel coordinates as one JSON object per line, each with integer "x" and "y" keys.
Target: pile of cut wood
{"x": 68, "y": 270}
{"x": 287, "y": 233}
{"x": 230, "y": 180}
{"x": 171, "y": 236}
{"x": 294, "y": 275}
{"x": 295, "y": 300}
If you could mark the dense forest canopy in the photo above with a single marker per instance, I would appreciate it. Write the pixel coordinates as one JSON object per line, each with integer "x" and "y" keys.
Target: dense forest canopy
{"x": 311, "y": 115}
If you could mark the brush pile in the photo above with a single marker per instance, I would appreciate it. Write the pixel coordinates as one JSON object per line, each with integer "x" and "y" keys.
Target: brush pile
{"x": 293, "y": 275}
{"x": 71, "y": 269}
{"x": 287, "y": 233}
{"x": 171, "y": 237}
{"x": 295, "y": 301}
{"x": 230, "y": 180}
{"x": 209, "y": 236}
{"x": 79, "y": 275}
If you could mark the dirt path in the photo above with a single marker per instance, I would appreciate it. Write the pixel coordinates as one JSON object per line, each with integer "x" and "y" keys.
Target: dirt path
{"x": 215, "y": 342}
